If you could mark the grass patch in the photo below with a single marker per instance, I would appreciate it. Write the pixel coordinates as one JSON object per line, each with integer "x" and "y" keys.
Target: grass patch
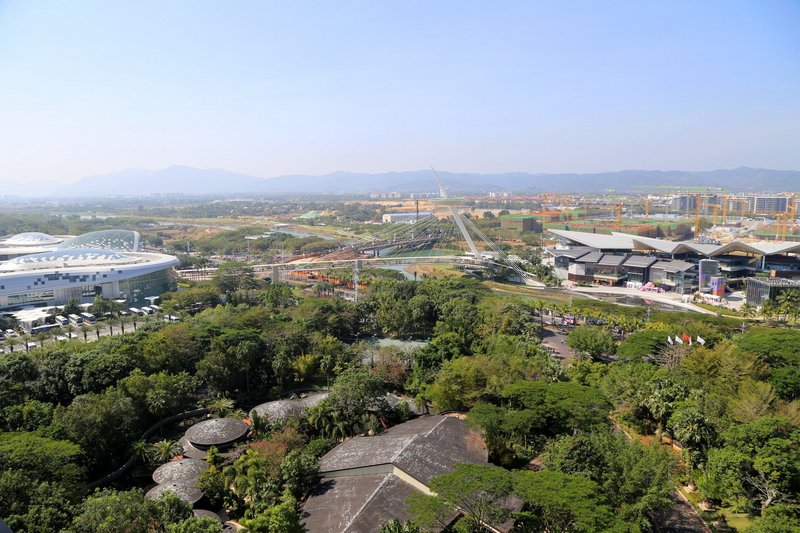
{"x": 721, "y": 310}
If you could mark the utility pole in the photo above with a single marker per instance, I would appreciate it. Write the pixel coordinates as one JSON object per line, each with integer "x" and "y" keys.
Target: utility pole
{"x": 356, "y": 265}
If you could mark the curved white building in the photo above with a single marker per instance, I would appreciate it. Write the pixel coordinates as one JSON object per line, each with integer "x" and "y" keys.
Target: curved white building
{"x": 104, "y": 263}
{"x": 30, "y": 242}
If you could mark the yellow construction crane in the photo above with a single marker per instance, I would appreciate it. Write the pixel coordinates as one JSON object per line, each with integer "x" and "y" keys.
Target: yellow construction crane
{"x": 619, "y": 215}
{"x": 697, "y": 216}
{"x": 647, "y": 203}
{"x": 724, "y": 209}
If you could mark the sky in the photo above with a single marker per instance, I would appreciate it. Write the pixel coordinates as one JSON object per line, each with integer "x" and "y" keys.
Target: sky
{"x": 274, "y": 88}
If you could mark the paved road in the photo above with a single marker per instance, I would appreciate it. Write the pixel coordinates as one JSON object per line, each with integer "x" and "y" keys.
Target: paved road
{"x": 681, "y": 518}
{"x": 557, "y": 342}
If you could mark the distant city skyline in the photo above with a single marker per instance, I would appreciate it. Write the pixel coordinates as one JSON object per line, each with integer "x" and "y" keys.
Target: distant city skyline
{"x": 271, "y": 89}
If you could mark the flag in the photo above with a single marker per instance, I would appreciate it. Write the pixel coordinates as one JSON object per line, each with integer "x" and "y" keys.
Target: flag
{"x": 678, "y": 340}
{"x": 687, "y": 338}
{"x": 669, "y": 340}
{"x": 690, "y": 341}
{"x": 701, "y": 340}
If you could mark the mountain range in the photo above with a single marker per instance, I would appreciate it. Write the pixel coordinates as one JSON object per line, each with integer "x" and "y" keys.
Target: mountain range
{"x": 196, "y": 181}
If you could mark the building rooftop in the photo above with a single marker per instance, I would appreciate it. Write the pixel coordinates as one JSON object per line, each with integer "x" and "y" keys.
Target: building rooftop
{"x": 640, "y": 261}
{"x": 120, "y": 240}
{"x": 611, "y": 260}
{"x": 288, "y": 408}
{"x": 624, "y": 241}
{"x": 184, "y": 471}
{"x": 67, "y": 259}
{"x": 366, "y": 480}
{"x": 598, "y": 241}
{"x": 30, "y": 238}
{"x": 216, "y": 432}
{"x": 356, "y": 504}
{"x": 674, "y": 266}
{"x": 591, "y": 257}
{"x": 189, "y": 493}
{"x": 776, "y": 282}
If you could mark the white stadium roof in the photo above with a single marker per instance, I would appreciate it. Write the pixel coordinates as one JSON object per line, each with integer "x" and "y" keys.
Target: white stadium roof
{"x": 67, "y": 259}
{"x": 30, "y": 238}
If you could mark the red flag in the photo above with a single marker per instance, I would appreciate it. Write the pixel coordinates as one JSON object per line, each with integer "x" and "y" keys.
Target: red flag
{"x": 686, "y": 337}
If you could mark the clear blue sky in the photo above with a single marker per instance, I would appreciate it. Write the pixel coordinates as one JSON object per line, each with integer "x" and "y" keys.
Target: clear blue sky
{"x": 270, "y": 88}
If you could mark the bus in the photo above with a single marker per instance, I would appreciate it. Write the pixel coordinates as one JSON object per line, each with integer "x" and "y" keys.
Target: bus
{"x": 155, "y": 308}
{"x": 136, "y": 311}
{"x": 62, "y": 320}
{"x": 88, "y": 318}
{"x": 43, "y": 329}
{"x": 76, "y": 320}
{"x": 147, "y": 310}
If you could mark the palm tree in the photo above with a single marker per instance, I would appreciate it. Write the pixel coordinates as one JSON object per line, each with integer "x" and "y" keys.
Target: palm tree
{"x": 787, "y": 302}
{"x": 164, "y": 450}
{"x": 121, "y": 322}
{"x": 97, "y": 328}
{"x": 141, "y": 451}
{"x": 748, "y": 311}
{"x": 85, "y": 331}
{"x": 70, "y": 329}
{"x": 259, "y": 425}
{"x": 539, "y": 305}
{"x": 220, "y": 406}
{"x": 26, "y": 339}
{"x": 41, "y": 337}
{"x": 10, "y": 344}
{"x": 768, "y": 310}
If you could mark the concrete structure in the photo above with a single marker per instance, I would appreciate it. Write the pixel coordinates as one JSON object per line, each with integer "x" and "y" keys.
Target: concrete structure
{"x": 759, "y": 290}
{"x": 405, "y": 218}
{"x": 520, "y": 223}
{"x": 366, "y": 480}
{"x": 766, "y": 205}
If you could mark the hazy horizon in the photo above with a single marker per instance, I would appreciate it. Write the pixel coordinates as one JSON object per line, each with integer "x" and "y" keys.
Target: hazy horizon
{"x": 273, "y": 89}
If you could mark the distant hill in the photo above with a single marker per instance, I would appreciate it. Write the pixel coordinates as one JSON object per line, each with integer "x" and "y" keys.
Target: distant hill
{"x": 172, "y": 180}
{"x": 190, "y": 180}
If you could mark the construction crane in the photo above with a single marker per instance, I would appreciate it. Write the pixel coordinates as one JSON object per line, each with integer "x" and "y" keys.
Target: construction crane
{"x": 619, "y": 215}
{"x": 697, "y": 216}
{"x": 724, "y": 209}
{"x": 779, "y": 222}
{"x": 647, "y": 203}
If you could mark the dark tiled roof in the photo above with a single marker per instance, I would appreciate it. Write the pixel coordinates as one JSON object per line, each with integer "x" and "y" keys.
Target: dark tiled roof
{"x": 356, "y": 504}
{"x": 640, "y": 261}
{"x": 216, "y": 432}
{"x": 674, "y": 266}
{"x": 359, "y": 491}
{"x": 573, "y": 253}
{"x": 593, "y": 257}
{"x": 611, "y": 260}
{"x": 425, "y": 447}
